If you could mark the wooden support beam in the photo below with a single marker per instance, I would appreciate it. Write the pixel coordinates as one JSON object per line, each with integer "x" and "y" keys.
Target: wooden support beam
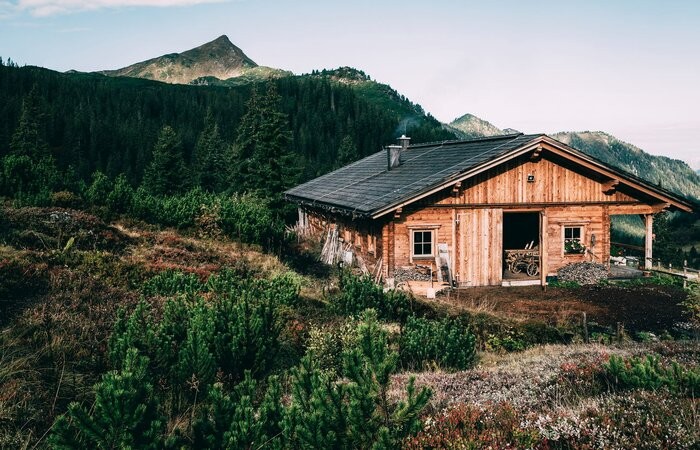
{"x": 660, "y": 207}
{"x": 455, "y": 189}
{"x": 536, "y": 154}
{"x": 397, "y": 213}
{"x": 648, "y": 240}
{"x": 610, "y": 186}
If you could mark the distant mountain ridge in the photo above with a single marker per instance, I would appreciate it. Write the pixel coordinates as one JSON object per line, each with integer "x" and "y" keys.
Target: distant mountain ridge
{"x": 668, "y": 173}
{"x": 470, "y": 126}
{"x": 220, "y": 62}
{"x": 219, "y": 59}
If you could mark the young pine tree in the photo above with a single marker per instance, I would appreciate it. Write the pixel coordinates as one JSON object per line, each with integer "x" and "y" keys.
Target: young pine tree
{"x": 29, "y": 138}
{"x": 166, "y": 174}
{"x": 210, "y": 161}
{"x": 266, "y": 164}
{"x": 373, "y": 421}
{"x": 347, "y": 152}
{"x": 125, "y": 413}
{"x": 197, "y": 365}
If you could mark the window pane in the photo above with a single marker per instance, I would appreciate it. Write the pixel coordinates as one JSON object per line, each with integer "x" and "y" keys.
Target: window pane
{"x": 422, "y": 243}
{"x": 567, "y": 233}
{"x": 576, "y": 233}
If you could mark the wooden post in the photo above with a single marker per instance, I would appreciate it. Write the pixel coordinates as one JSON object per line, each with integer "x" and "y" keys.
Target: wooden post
{"x": 585, "y": 329}
{"x": 649, "y": 226}
{"x": 685, "y": 273}
{"x": 544, "y": 248}
{"x": 620, "y": 331}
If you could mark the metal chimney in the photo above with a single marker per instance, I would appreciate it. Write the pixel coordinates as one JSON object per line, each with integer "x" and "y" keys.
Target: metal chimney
{"x": 404, "y": 141}
{"x": 393, "y": 152}
{"x": 393, "y": 155}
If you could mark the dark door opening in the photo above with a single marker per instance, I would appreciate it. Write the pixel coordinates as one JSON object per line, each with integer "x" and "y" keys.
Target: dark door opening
{"x": 521, "y": 243}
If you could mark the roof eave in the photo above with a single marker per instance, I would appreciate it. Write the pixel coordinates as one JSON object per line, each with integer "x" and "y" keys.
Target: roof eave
{"x": 335, "y": 209}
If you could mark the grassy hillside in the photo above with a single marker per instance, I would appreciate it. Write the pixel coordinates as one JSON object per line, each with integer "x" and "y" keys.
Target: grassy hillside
{"x": 78, "y": 292}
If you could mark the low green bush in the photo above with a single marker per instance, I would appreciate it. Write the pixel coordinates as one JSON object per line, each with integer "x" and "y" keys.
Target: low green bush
{"x": 446, "y": 342}
{"x": 360, "y": 293}
{"x": 172, "y": 282}
{"x": 649, "y": 374}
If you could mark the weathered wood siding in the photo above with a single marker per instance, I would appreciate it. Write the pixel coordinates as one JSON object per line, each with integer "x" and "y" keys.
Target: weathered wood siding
{"x": 480, "y": 242}
{"x": 436, "y": 219}
{"x": 553, "y": 183}
{"x": 593, "y": 220}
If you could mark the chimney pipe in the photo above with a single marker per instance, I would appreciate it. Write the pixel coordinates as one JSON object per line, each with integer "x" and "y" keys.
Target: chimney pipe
{"x": 393, "y": 156}
{"x": 404, "y": 141}
{"x": 393, "y": 152}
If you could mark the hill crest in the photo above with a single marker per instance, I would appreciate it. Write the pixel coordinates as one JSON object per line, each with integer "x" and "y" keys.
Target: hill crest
{"x": 219, "y": 58}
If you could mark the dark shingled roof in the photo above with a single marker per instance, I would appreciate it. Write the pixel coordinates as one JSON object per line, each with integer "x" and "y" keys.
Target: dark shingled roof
{"x": 366, "y": 186}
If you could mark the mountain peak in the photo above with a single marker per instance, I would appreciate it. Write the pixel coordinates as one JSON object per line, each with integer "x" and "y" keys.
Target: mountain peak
{"x": 472, "y": 126}
{"x": 219, "y": 58}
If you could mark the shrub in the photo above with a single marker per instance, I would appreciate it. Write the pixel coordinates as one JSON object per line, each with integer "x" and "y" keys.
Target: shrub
{"x": 121, "y": 198}
{"x": 99, "y": 189}
{"x": 250, "y": 219}
{"x": 327, "y": 344}
{"x": 446, "y": 342}
{"x": 245, "y": 218}
{"x": 66, "y": 199}
{"x": 356, "y": 413}
{"x": 360, "y": 293}
{"x": 172, "y": 282}
{"x": 650, "y": 374}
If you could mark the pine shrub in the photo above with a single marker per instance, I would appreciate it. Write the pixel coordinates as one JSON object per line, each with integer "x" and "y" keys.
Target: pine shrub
{"x": 172, "y": 282}
{"x": 360, "y": 293}
{"x": 649, "y": 374}
{"x": 445, "y": 342}
{"x": 125, "y": 413}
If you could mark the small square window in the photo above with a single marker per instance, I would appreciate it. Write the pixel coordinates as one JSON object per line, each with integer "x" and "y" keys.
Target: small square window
{"x": 572, "y": 241}
{"x": 422, "y": 243}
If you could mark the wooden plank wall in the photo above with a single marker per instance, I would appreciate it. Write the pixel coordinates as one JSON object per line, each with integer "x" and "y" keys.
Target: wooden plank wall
{"x": 554, "y": 183}
{"x": 592, "y": 219}
{"x": 438, "y": 219}
{"x": 480, "y": 247}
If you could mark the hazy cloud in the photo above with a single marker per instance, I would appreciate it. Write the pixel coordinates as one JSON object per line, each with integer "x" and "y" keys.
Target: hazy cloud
{"x": 42, "y": 8}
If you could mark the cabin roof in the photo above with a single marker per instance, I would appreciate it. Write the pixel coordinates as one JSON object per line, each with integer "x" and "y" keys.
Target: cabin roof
{"x": 367, "y": 188}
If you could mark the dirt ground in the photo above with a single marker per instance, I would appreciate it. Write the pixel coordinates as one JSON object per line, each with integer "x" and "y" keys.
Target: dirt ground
{"x": 640, "y": 308}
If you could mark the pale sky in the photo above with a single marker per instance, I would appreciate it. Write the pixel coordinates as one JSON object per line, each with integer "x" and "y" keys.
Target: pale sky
{"x": 628, "y": 67}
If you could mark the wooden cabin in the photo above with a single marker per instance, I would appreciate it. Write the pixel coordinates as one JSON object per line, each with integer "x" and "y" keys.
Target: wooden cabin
{"x": 466, "y": 211}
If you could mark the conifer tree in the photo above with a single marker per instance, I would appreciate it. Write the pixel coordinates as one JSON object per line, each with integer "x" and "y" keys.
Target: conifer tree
{"x": 267, "y": 165}
{"x": 237, "y": 420}
{"x": 166, "y": 174}
{"x": 29, "y": 139}
{"x": 197, "y": 365}
{"x": 347, "y": 152}
{"x": 132, "y": 332}
{"x": 317, "y": 415}
{"x": 125, "y": 413}
{"x": 210, "y": 162}
{"x": 29, "y": 168}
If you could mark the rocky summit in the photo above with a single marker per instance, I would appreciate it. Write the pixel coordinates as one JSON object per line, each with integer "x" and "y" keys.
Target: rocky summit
{"x": 219, "y": 58}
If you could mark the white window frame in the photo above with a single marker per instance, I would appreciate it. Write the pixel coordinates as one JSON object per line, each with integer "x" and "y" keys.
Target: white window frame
{"x": 581, "y": 238}
{"x": 430, "y": 255}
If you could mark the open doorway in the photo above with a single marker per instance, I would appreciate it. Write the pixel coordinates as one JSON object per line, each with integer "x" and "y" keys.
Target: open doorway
{"x": 521, "y": 244}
